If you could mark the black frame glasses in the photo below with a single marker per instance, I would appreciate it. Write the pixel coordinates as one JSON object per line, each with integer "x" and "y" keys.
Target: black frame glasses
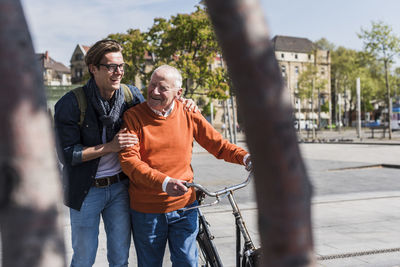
{"x": 112, "y": 68}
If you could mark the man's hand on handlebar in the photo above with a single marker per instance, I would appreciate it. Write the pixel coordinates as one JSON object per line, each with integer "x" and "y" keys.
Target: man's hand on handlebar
{"x": 249, "y": 165}
{"x": 176, "y": 187}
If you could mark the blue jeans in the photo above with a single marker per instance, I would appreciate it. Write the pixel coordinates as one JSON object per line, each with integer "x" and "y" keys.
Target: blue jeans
{"x": 152, "y": 230}
{"x": 112, "y": 203}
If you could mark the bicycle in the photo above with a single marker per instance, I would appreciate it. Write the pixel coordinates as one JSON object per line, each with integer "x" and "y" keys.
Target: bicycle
{"x": 249, "y": 255}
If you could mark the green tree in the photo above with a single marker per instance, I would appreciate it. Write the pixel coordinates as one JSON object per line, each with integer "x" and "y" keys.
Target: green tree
{"x": 344, "y": 72}
{"x": 396, "y": 82}
{"x": 206, "y": 111}
{"x": 384, "y": 44}
{"x": 310, "y": 83}
{"x": 219, "y": 84}
{"x": 324, "y": 44}
{"x": 135, "y": 50}
{"x": 188, "y": 42}
{"x": 346, "y": 66}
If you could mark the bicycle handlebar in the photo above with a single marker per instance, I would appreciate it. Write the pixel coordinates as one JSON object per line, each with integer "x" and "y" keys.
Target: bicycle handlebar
{"x": 222, "y": 191}
{"x": 226, "y": 191}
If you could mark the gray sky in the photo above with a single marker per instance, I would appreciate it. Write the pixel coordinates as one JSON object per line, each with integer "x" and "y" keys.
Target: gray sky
{"x": 58, "y": 26}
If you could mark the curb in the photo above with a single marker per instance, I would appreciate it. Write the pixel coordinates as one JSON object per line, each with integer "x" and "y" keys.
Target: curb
{"x": 348, "y": 142}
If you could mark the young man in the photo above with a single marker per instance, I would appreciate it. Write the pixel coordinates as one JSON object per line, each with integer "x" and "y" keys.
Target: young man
{"x": 160, "y": 164}
{"x": 93, "y": 181}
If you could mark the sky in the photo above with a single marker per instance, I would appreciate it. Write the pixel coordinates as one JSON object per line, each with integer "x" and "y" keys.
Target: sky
{"x": 58, "y": 26}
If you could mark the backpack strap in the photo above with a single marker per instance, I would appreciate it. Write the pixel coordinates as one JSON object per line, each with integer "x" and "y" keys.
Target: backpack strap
{"x": 82, "y": 104}
{"x": 127, "y": 93}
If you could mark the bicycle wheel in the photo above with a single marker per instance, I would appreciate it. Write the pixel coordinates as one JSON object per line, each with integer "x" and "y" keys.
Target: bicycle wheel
{"x": 252, "y": 259}
{"x": 208, "y": 253}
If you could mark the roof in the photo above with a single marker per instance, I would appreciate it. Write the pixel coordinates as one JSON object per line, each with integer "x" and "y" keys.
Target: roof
{"x": 292, "y": 44}
{"x": 48, "y": 63}
{"x": 84, "y": 48}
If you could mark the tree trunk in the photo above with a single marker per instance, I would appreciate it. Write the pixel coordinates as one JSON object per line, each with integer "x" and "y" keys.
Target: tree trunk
{"x": 234, "y": 120}
{"x": 350, "y": 113}
{"x": 228, "y": 113}
{"x": 283, "y": 189}
{"x": 340, "y": 114}
{"x": 319, "y": 107}
{"x": 336, "y": 101}
{"x": 312, "y": 108}
{"x": 389, "y": 99}
{"x": 30, "y": 192}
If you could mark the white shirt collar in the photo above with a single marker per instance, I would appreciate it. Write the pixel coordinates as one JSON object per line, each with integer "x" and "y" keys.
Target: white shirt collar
{"x": 167, "y": 113}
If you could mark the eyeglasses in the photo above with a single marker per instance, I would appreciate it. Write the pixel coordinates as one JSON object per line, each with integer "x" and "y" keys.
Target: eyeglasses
{"x": 112, "y": 68}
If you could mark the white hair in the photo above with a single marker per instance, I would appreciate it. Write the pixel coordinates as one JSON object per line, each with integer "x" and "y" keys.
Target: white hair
{"x": 172, "y": 70}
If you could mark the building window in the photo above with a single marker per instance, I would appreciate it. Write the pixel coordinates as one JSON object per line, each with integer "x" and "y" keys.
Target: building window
{"x": 295, "y": 56}
{"x": 309, "y": 57}
{"x": 78, "y": 73}
{"x": 282, "y": 55}
{"x": 283, "y": 69}
{"x": 296, "y": 70}
{"x": 78, "y": 57}
{"x": 322, "y": 71}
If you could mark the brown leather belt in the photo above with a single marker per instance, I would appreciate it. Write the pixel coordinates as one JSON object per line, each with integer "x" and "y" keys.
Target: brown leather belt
{"x": 109, "y": 180}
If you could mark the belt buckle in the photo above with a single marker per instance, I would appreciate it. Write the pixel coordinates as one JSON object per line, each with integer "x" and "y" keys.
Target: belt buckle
{"x": 103, "y": 186}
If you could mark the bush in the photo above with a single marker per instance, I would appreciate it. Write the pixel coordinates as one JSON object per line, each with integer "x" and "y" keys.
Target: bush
{"x": 206, "y": 111}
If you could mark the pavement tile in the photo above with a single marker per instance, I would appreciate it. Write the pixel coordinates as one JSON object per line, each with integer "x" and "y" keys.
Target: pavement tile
{"x": 352, "y": 210}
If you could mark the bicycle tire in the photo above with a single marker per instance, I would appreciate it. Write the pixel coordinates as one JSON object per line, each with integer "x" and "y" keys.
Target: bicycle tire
{"x": 206, "y": 245}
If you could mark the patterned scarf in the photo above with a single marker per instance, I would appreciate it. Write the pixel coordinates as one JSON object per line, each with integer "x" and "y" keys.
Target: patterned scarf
{"x": 107, "y": 111}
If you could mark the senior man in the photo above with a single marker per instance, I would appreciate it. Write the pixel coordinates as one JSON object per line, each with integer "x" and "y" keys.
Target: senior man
{"x": 159, "y": 165}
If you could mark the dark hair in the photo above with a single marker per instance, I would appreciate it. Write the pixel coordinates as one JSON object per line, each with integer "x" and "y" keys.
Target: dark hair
{"x": 95, "y": 54}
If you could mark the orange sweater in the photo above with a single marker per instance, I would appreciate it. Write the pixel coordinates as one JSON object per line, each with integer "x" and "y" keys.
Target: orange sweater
{"x": 165, "y": 149}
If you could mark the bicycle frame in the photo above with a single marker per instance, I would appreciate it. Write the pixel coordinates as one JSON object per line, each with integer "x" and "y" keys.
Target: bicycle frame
{"x": 244, "y": 257}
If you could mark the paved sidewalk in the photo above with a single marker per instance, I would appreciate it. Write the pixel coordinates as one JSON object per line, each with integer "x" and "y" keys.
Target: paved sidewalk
{"x": 355, "y": 208}
{"x": 341, "y": 226}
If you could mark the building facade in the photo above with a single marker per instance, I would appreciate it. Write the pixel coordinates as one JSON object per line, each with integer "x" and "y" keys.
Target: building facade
{"x": 54, "y": 73}
{"x": 78, "y": 66}
{"x": 296, "y": 55}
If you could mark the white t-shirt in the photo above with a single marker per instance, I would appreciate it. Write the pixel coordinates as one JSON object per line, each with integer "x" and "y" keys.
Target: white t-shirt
{"x": 109, "y": 164}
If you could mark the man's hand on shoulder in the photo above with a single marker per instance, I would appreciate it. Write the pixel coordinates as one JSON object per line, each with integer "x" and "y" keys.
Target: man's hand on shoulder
{"x": 176, "y": 187}
{"x": 189, "y": 104}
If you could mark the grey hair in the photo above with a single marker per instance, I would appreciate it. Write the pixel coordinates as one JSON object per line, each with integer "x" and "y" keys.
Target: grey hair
{"x": 174, "y": 71}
